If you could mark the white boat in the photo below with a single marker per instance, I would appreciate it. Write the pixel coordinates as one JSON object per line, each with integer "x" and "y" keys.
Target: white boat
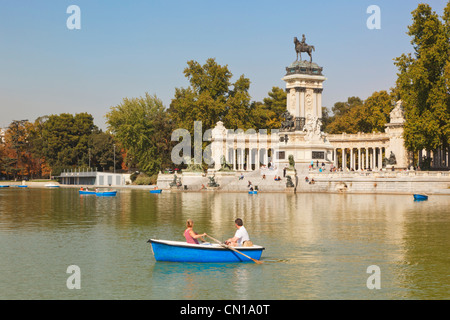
{"x": 51, "y": 185}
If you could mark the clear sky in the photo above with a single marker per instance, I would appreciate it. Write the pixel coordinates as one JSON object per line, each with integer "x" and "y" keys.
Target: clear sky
{"x": 127, "y": 48}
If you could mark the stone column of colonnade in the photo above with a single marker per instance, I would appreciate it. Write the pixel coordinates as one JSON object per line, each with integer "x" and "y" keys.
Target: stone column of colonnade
{"x": 248, "y": 159}
{"x": 359, "y": 158}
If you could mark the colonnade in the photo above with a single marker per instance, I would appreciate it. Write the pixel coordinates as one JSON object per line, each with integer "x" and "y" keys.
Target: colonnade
{"x": 248, "y": 159}
{"x": 359, "y": 158}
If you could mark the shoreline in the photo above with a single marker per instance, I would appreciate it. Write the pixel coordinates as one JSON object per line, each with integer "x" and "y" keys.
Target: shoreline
{"x": 330, "y": 186}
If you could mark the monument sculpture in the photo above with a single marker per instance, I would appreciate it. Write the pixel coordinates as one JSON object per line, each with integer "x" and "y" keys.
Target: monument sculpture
{"x": 212, "y": 182}
{"x": 301, "y": 130}
{"x": 288, "y": 124}
{"x": 303, "y": 47}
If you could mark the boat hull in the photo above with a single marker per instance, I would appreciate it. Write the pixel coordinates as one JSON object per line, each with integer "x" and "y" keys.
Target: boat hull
{"x": 420, "y": 197}
{"x": 106, "y": 194}
{"x": 176, "y": 251}
{"x": 86, "y": 192}
{"x": 155, "y": 191}
{"x": 253, "y": 192}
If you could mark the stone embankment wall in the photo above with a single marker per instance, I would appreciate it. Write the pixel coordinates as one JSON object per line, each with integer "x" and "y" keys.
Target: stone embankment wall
{"x": 383, "y": 182}
{"x": 397, "y": 182}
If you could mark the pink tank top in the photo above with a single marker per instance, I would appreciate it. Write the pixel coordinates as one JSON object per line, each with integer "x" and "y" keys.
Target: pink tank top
{"x": 188, "y": 237}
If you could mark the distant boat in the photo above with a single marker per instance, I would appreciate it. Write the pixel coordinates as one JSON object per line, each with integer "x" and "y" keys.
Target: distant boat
{"x": 2, "y": 186}
{"x": 22, "y": 186}
{"x": 51, "y": 185}
{"x": 86, "y": 192}
{"x": 156, "y": 191}
{"x": 177, "y": 251}
{"x": 106, "y": 193}
{"x": 253, "y": 192}
{"x": 420, "y": 197}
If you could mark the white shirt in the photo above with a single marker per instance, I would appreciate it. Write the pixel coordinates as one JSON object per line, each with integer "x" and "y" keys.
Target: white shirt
{"x": 242, "y": 235}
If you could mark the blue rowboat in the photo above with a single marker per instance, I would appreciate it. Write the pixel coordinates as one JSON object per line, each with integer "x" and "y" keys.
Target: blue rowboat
{"x": 106, "y": 193}
{"x": 420, "y": 197}
{"x": 253, "y": 192}
{"x": 177, "y": 251}
{"x": 4, "y": 186}
{"x": 86, "y": 192}
{"x": 155, "y": 191}
{"x": 22, "y": 186}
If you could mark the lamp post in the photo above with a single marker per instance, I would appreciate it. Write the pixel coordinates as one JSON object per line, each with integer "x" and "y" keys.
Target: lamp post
{"x": 114, "y": 158}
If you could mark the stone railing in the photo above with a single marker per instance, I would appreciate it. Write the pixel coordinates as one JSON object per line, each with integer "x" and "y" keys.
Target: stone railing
{"x": 381, "y": 174}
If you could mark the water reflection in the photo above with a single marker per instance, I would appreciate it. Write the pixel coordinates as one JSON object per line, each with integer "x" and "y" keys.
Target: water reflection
{"x": 318, "y": 246}
{"x": 202, "y": 280}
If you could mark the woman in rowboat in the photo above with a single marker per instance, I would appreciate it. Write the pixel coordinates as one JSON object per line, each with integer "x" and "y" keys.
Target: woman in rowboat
{"x": 190, "y": 235}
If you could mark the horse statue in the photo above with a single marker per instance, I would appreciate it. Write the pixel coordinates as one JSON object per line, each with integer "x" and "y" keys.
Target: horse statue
{"x": 288, "y": 122}
{"x": 303, "y": 47}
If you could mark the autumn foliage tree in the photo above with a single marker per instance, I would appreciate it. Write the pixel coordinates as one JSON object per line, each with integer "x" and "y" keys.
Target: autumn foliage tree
{"x": 423, "y": 81}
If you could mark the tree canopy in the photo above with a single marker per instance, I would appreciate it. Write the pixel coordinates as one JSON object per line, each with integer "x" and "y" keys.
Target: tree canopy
{"x": 423, "y": 81}
{"x": 143, "y": 127}
{"x": 356, "y": 115}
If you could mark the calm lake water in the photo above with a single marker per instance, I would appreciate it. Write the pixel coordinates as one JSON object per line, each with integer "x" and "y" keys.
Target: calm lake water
{"x": 318, "y": 246}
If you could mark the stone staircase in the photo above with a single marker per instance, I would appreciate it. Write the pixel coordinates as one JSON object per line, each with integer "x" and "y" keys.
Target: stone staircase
{"x": 256, "y": 178}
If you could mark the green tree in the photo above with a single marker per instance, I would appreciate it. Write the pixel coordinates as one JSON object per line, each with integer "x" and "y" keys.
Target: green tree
{"x": 348, "y": 117}
{"x": 104, "y": 151}
{"x": 267, "y": 114}
{"x": 423, "y": 80}
{"x": 211, "y": 97}
{"x": 144, "y": 129}
{"x": 378, "y": 108}
{"x": 64, "y": 139}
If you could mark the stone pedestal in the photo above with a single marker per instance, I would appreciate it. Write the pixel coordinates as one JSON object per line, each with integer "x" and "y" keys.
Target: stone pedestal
{"x": 303, "y": 138}
{"x": 304, "y": 86}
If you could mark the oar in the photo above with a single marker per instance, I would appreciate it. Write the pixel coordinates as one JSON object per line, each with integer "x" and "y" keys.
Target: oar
{"x": 233, "y": 249}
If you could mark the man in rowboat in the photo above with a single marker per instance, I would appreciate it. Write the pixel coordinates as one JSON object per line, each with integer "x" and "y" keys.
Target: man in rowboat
{"x": 241, "y": 237}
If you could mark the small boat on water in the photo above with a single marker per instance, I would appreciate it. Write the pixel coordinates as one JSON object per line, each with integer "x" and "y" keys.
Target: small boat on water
{"x": 420, "y": 197}
{"x": 51, "y": 185}
{"x": 253, "y": 192}
{"x": 3, "y": 186}
{"x": 86, "y": 192}
{"x": 22, "y": 186}
{"x": 106, "y": 193}
{"x": 156, "y": 191}
{"x": 177, "y": 251}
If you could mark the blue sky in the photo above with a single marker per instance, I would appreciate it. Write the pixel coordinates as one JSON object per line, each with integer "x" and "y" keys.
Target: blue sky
{"x": 127, "y": 48}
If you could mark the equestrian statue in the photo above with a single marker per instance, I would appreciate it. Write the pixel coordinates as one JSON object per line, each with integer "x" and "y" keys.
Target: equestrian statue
{"x": 303, "y": 47}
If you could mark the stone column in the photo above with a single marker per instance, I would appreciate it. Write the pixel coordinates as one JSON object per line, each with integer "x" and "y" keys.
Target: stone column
{"x": 380, "y": 154}
{"x": 258, "y": 163}
{"x": 344, "y": 159}
{"x": 352, "y": 159}
{"x": 335, "y": 157}
{"x": 288, "y": 98}
{"x": 302, "y": 103}
{"x": 359, "y": 159}
{"x": 318, "y": 102}
{"x": 362, "y": 161}
{"x": 367, "y": 157}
